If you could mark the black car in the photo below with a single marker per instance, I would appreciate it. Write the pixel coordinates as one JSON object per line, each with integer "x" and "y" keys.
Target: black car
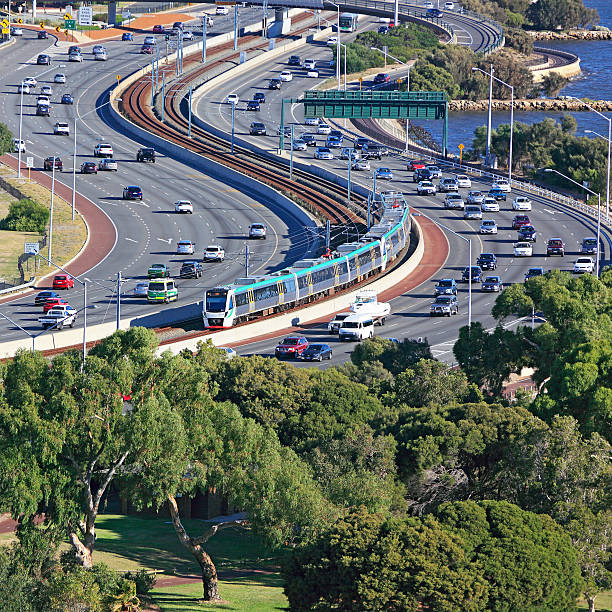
{"x": 43, "y": 60}
{"x": 335, "y": 134}
{"x": 42, "y": 35}
{"x": 434, "y": 13}
{"x": 487, "y": 261}
{"x": 422, "y": 174}
{"x": 74, "y": 49}
{"x": 260, "y": 96}
{"x": 294, "y": 60}
{"x": 383, "y": 29}
{"x": 361, "y": 142}
{"x": 382, "y": 77}
{"x": 132, "y": 192}
{"x": 309, "y": 139}
{"x": 257, "y": 129}
{"x": 146, "y": 154}
{"x": 253, "y": 105}
{"x": 274, "y": 84}
{"x": 48, "y": 163}
{"x": 492, "y": 283}
{"x": 317, "y": 352}
{"x": 476, "y": 274}
{"x": 191, "y": 269}
{"x": 528, "y": 233}
{"x": 43, "y": 110}
{"x": 43, "y": 296}
{"x": 498, "y": 194}
{"x": 89, "y": 168}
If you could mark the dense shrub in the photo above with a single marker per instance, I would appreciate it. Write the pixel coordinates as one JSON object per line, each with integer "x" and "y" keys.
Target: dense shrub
{"x": 26, "y": 215}
{"x": 6, "y": 139}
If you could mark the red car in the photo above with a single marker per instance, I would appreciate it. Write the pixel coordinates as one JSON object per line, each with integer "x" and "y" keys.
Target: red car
{"x": 63, "y": 281}
{"x": 520, "y": 221}
{"x": 292, "y": 346}
{"x": 51, "y": 303}
{"x": 415, "y": 164}
{"x": 146, "y": 49}
{"x": 158, "y": 29}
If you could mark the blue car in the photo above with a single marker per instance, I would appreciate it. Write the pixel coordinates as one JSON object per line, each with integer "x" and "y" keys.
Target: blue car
{"x": 127, "y": 36}
{"x": 533, "y": 273}
{"x": 317, "y": 352}
{"x": 446, "y": 286}
{"x": 476, "y": 274}
{"x": 67, "y": 99}
{"x": 384, "y": 173}
{"x": 435, "y": 13}
{"x": 43, "y": 296}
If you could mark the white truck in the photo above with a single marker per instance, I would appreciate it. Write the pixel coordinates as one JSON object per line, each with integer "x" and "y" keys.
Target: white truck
{"x": 366, "y": 303}
{"x": 59, "y": 317}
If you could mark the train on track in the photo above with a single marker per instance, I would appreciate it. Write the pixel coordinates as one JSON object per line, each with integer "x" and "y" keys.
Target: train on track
{"x": 309, "y": 279}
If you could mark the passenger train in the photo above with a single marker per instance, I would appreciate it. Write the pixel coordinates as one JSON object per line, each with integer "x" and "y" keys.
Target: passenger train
{"x": 309, "y": 279}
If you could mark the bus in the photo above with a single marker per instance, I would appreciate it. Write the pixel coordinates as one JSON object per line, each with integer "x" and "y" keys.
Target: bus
{"x": 348, "y": 22}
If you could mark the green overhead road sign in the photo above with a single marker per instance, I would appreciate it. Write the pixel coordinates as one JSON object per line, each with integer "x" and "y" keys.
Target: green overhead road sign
{"x": 70, "y": 24}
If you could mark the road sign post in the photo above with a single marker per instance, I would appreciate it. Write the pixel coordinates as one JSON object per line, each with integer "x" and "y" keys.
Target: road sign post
{"x": 31, "y": 248}
{"x": 85, "y": 15}
{"x": 29, "y": 165}
{"x": 460, "y": 147}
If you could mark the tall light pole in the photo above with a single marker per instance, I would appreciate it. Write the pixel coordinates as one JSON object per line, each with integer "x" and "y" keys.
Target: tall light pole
{"x": 337, "y": 44}
{"x": 511, "y": 121}
{"x": 609, "y": 120}
{"x": 608, "y": 139}
{"x": 51, "y": 214}
{"x": 571, "y": 180}
{"x": 74, "y": 151}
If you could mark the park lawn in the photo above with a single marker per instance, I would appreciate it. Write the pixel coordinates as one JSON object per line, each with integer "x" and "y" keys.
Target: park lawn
{"x": 603, "y": 603}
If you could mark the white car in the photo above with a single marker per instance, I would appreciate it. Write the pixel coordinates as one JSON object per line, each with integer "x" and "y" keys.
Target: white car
{"x": 323, "y": 153}
{"x": 521, "y": 203}
{"x": 31, "y": 81}
{"x": 488, "y": 226}
{"x": 584, "y": 264}
{"x": 426, "y": 188}
{"x": 184, "y": 206}
{"x": 464, "y": 181}
{"x": 46, "y": 90}
{"x": 98, "y": 49}
{"x": 360, "y": 164}
{"x": 323, "y": 129}
{"x": 475, "y": 197}
{"x": 384, "y": 20}
{"x": 150, "y": 40}
{"x": 333, "y": 40}
{"x": 309, "y": 64}
{"x": 61, "y": 128}
{"x": 299, "y": 145}
{"x": 286, "y": 76}
{"x": 229, "y": 352}
{"x": 15, "y": 31}
{"x": 313, "y": 73}
{"x": 232, "y": 99}
{"x": 75, "y": 57}
{"x": 141, "y": 290}
{"x": 18, "y": 145}
{"x": 23, "y": 87}
{"x": 222, "y": 10}
{"x": 59, "y": 78}
{"x": 103, "y": 149}
{"x": 502, "y": 184}
{"x": 523, "y": 249}
{"x": 187, "y": 35}
{"x": 312, "y": 121}
{"x": 109, "y": 164}
{"x": 449, "y": 6}
{"x": 43, "y": 100}
{"x": 101, "y": 57}
{"x": 428, "y": 4}
{"x": 214, "y": 252}
{"x": 185, "y": 247}
{"x": 489, "y": 204}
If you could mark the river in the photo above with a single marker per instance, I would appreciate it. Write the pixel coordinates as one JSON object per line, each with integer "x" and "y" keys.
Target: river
{"x": 594, "y": 82}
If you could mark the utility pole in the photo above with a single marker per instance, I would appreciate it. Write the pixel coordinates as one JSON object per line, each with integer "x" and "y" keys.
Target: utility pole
{"x": 190, "y": 92}
{"x": 118, "y": 299}
{"x": 51, "y": 215}
{"x": 291, "y": 158}
{"x": 235, "y": 26}
{"x": 246, "y": 260}
{"x": 204, "y": 20}
{"x": 327, "y": 233}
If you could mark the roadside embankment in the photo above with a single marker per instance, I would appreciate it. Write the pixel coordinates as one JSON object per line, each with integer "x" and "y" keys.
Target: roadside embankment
{"x": 559, "y": 104}
{"x": 573, "y": 35}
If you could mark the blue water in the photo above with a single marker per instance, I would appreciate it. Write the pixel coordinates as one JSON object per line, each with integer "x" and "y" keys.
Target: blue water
{"x": 595, "y": 82}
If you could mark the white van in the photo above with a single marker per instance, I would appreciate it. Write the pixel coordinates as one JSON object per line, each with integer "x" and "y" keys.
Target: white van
{"x": 357, "y": 327}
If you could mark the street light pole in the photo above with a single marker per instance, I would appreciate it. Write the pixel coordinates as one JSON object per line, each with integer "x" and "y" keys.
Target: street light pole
{"x": 489, "y": 117}
{"x": 52, "y": 198}
{"x": 20, "y": 124}
{"x": 609, "y": 140}
{"x": 291, "y": 158}
{"x": 598, "y": 211}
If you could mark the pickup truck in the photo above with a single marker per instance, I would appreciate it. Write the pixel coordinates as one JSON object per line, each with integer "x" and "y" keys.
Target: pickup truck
{"x": 61, "y": 316}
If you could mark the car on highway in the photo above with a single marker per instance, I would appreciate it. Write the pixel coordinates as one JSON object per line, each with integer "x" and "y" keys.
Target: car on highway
{"x": 487, "y": 261}
{"x": 449, "y": 6}
{"x": 292, "y": 346}
{"x": 214, "y": 252}
{"x": 317, "y": 352}
{"x": 18, "y": 145}
{"x": 146, "y": 50}
{"x": 158, "y": 29}
{"x": 497, "y": 194}
{"x": 103, "y": 149}
{"x": 584, "y": 265}
{"x": 519, "y": 221}
{"x": 434, "y": 171}
{"x": 132, "y": 192}
{"x": 99, "y": 48}
{"x": 448, "y": 184}
{"x": 415, "y": 164}
{"x": 332, "y": 41}
{"x": 528, "y": 233}
{"x": 43, "y": 110}
{"x": 492, "y": 284}
{"x": 150, "y": 40}
{"x": 145, "y": 154}
{"x": 74, "y": 49}
{"x": 31, "y": 81}
{"x": 374, "y": 150}
{"x": 334, "y": 142}
{"x": 324, "y": 129}
{"x": 426, "y": 188}
{"x": 257, "y": 128}
{"x": 183, "y": 206}
{"x": 475, "y": 197}
{"x": 489, "y": 204}
{"x": 474, "y": 271}
{"x": 534, "y": 273}
{"x": 188, "y": 35}
{"x": 422, "y": 174}
{"x": 59, "y": 317}
{"x": 253, "y": 105}
{"x": 488, "y": 226}
{"x": 63, "y": 281}
{"x": 43, "y": 59}
{"x": 309, "y": 138}
{"x": 383, "y": 29}
{"x": 502, "y": 184}
{"x": 308, "y": 64}
{"x": 299, "y": 144}
{"x": 361, "y": 142}
{"x": 454, "y": 201}
{"x": 67, "y": 99}
{"x": 89, "y": 168}
{"x": 49, "y": 162}
{"x": 185, "y": 247}
{"x": 59, "y": 78}
{"x": 349, "y": 153}
{"x": 108, "y": 164}
{"x": 257, "y": 231}
{"x": 191, "y": 269}
{"x": 523, "y": 249}
{"x": 42, "y": 296}
{"x": 42, "y": 35}
{"x": 232, "y": 98}
{"x": 313, "y": 73}
{"x": 126, "y": 36}
{"x": 259, "y": 96}
{"x": 75, "y": 56}
{"x": 158, "y": 270}
{"x": 286, "y": 76}
{"x": 162, "y": 290}
{"x": 275, "y": 83}
{"x": 382, "y": 77}
{"x": 140, "y": 290}
{"x": 384, "y": 174}
{"x": 446, "y": 286}
{"x": 521, "y": 203}
{"x": 61, "y": 128}
{"x": 555, "y": 246}
{"x": 444, "y": 306}
{"x": 101, "y": 56}
{"x": 46, "y": 90}
{"x": 323, "y": 153}
{"x": 23, "y": 88}
{"x": 312, "y": 121}
{"x": 43, "y": 100}
{"x": 434, "y": 13}
{"x": 360, "y": 164}
{"x": 472, "y": 211}
{"x": 221, "y": 10}
{"x": 53, "y": 303}
{"x": 294, "y": 60}
{"x": 463, "y": 180}
{"x": 588, "y": 246}
{"x": 334, "y": 325}
{"x": 178, "y": 25}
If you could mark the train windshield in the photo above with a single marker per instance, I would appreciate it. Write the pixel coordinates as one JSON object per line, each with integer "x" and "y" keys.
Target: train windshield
{"x": 216, "y": 300}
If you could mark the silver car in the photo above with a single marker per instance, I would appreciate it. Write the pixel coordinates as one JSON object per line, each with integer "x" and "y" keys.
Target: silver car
{"x": 361, "y": 164}
{"x": 140, "y": 290}
{"x": 108, "y": 164}
{"x": 475, "y": 197}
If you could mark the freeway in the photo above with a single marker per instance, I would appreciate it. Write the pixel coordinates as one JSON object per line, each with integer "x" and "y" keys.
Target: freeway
{"x": 411, "y": 318}
{"x": 147, "y": 231}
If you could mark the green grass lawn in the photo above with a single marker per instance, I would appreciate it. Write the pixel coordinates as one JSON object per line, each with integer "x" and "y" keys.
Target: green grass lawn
{"x": 603, "y": 603}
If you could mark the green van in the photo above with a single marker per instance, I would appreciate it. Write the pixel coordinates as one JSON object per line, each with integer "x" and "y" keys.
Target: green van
{"x": 162, "y": 290}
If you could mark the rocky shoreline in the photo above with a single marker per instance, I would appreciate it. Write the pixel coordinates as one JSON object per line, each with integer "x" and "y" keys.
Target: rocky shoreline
{"x": 573, "y": 35}
{"x": 560, "y": 104}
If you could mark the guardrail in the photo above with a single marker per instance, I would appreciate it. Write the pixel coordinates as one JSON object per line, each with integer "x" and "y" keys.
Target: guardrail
{"x": 499, "y": 40}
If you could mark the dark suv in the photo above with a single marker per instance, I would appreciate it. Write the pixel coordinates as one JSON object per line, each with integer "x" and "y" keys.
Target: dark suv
{"x": 528, "y": 233}
{"x": 257, "y": 129}
{"x": 132, "y": 192}
{"x": 555, "y": 246}
{"x": 422, "y": 174}
{"x": 48, "y": 163}
{"x": 487, "y": 261}
{"x": 146, "y": 154}
{"x": 43, "y": 60}
{"x": 476, "y": 274}
{"x": 191, "y": 269}
{"x": 374, "y": 150}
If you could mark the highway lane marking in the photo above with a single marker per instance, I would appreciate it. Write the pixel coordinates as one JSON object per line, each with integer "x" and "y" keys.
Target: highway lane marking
{"x": 131, "y": 239}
